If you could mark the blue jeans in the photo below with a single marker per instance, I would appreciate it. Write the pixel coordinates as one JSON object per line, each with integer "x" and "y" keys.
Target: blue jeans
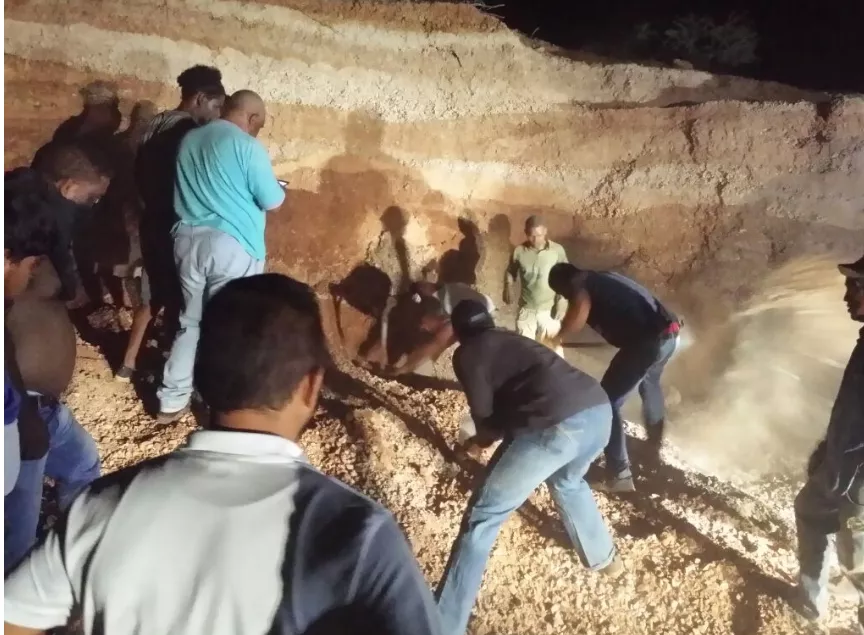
{"x": 560, "y": 456}
{"x": 207, "y": 259}
{"x": 636, "y": 366}
{"x": 72, "y": 461}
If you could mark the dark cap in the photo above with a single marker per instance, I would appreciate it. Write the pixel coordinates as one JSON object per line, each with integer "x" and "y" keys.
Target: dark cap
{"x": 470, "y": 317}
{"x": 854, "y": 269}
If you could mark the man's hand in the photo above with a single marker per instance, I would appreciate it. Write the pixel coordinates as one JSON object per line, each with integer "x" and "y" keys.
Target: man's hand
{"x": 816, "y": 459}
{"x": 80, "y": 300}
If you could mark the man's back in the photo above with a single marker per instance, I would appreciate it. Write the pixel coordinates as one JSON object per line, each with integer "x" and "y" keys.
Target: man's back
{"x": 234, "y": 533}
{"x": 622, "y": 310}
{"x": 528, "y": 383}
{"x": 44, "y": 340}
{"x": 225, "y": 181}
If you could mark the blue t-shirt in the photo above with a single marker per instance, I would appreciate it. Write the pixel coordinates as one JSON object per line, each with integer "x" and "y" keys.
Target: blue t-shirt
{"x": 225, "y": 181}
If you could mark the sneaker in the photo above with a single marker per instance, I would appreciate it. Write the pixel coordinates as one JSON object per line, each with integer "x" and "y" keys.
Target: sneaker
{"x": 620, "y": 482}
{"x": 614, "y": 568}
{"x": 124, "y": 375}
{"x": 167, "y": 418}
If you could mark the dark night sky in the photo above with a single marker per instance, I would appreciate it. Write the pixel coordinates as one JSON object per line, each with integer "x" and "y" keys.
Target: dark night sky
{"x": 815, "y": 44}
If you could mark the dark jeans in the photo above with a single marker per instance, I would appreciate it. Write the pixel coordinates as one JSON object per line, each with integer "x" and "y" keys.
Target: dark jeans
{"x": 635, "y": 366}
{"x": 820, "y": 513}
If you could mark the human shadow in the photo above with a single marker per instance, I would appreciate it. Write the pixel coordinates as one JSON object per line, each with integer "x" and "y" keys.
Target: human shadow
{"x": 461, "y": 264}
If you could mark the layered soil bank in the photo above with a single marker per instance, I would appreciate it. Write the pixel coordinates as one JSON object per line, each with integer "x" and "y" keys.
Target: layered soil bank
{"x": 419, "y": 133}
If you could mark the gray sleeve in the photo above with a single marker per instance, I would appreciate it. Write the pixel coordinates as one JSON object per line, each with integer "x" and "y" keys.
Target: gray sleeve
{"x": 389, "y": 589}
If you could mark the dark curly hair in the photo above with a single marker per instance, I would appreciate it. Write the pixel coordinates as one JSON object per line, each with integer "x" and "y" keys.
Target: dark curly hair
{"x": 201, "y": 79}
{"x": 29, "y": 228}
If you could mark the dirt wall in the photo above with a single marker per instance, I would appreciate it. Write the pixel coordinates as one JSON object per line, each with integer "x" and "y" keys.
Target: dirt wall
{"x": 412, "y": 133}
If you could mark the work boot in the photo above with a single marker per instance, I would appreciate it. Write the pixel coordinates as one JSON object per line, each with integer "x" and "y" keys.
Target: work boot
{"x": 655, "y": 434}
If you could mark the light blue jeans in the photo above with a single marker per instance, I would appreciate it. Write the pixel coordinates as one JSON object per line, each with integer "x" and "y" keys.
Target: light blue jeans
{"x": 560, "y": 456}
{"x": 72, "y": 461}
{"x": 207, "y": 259}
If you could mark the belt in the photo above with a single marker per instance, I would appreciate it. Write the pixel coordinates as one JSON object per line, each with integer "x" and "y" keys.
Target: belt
{"x": 43, "y": 401}
{"x": 673, "y": 329}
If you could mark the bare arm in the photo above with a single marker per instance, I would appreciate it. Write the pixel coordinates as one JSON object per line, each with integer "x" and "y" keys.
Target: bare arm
{"x": 12, "y": 629}
{"x": 510, "y": 278}
{"x": 577, "y": 314}
{"x": 442, "y": 339}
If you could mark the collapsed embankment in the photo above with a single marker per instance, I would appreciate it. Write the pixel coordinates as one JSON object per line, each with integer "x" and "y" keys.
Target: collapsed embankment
{"x": 412, "y": 132}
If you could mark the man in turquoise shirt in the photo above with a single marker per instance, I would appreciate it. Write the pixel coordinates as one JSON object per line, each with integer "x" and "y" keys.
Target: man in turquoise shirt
{"x": 224, "y": 187}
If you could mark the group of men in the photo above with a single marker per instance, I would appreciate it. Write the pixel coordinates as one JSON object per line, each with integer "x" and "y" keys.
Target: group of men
{"x": 235, "y": 532}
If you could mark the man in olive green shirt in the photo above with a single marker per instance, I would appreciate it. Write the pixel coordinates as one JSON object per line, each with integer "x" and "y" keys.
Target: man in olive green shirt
{"x": 530, "y": 263}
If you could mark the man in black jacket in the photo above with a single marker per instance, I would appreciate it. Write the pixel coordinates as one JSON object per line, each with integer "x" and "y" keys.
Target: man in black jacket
{"x": 645, "y": 332}
{"x": 554, "y": 420}
{"x": 832, "y": 500}
{"x": 63, "y": 182}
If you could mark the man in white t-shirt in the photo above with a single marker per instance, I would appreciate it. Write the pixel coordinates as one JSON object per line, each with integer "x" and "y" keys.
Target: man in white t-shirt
{"x": 441, "y": 299}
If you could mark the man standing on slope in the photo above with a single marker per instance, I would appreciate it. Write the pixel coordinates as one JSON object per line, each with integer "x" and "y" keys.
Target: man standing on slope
{"x": 225, "y": 186}
{"x": 832, "y": 500}
{"x": 645, "y": 332}
{"x": 554, "y": 420}
{"x": 540, "y": 307}
{"x": 155, "y": 171}
{"x": 234, "y": 533}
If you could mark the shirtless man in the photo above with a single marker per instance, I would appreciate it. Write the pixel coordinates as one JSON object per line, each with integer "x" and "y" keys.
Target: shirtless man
{"x": 441, "y": 299}
{"x": 39, "y": 329}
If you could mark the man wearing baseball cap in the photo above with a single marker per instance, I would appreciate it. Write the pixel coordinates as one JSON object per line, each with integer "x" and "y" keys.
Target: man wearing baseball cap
{"x": 832, "y": 500}
{"x": 553, "y": 421}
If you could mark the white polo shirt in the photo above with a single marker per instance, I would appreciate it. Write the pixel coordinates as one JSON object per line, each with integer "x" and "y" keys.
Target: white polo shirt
{"x": 233, "y": 533}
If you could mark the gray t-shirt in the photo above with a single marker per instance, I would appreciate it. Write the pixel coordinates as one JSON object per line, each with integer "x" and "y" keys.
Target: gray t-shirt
{"x": 449, "y": 295}
{"x": 233, "y": 534}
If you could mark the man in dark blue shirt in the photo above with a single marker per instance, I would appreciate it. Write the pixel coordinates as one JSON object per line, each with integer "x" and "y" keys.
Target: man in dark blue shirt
{"x": 554, "y": 421}
{"x": 832, "y": 500}
{"x": 645, "y": 332}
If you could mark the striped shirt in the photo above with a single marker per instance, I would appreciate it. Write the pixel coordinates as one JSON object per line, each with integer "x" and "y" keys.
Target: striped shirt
{"x": 234, "y": 533}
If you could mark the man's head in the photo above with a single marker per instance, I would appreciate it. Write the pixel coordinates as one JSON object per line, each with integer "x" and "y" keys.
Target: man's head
{"x": 561, "y": 278}
{"x": 535, "y": 231}
{"x": 29, "y": 234}
{"x": 101, "y": 106}
{"x": 262, "y": 354}
{"x": 854, "y": 297}
{"x": 470, "y": 318}
{"x": 246, "y": 110}
{"x": 72, "y": 169}
{"x": 201, "y": 92}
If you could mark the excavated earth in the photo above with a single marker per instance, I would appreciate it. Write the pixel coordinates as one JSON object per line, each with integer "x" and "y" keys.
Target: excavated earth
{"x": 426, "y": 133}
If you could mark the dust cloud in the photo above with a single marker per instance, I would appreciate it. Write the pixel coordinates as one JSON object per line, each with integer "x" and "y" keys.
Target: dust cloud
{"x": 756, "y": 390}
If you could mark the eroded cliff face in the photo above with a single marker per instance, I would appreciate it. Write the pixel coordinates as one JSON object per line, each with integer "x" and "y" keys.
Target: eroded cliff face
{"x": 412, "y": 133}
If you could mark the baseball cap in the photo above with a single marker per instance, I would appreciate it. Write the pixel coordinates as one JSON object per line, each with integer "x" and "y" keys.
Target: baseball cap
{"x": 854, "y": 269}
{"x": 470, "y": 317}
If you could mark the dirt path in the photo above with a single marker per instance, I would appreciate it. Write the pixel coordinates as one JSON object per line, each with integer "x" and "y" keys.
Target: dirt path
{"x": 703, "y": 556}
